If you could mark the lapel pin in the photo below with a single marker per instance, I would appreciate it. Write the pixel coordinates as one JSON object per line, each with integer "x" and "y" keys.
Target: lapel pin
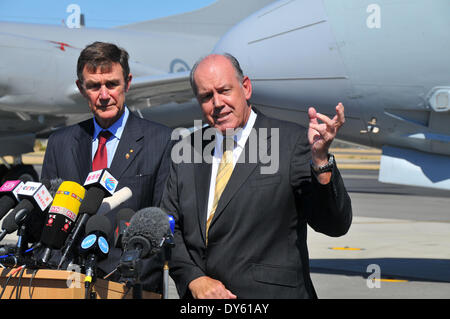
{"x": 131, "y": 151}
{"x": 127, "y": 156}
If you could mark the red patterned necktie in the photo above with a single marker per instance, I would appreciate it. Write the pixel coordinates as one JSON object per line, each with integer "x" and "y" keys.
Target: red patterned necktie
{"x": 101, "y": 156}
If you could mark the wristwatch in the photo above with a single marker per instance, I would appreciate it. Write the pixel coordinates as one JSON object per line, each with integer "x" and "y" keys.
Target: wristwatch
{"x": 328, "y": 167}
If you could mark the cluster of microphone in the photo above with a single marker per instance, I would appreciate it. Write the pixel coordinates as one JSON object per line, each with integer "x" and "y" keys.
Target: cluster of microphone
{"x": 61, "y": 223}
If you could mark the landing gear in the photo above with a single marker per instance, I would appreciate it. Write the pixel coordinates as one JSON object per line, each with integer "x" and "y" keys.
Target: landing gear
{"x": 25, "y": 173}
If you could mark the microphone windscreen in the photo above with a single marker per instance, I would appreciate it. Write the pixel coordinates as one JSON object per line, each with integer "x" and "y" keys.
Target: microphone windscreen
{"x": 152, "y": 223}
{"x": 26, "y": 206}
{"x": 92, "y": 200}
{"x": 9, "y": 223}
{"x": 54, "y": 186}
{"x": 62, "y": 214}
{"x": 6, "y": 203}
{"x": 99, "y": 223}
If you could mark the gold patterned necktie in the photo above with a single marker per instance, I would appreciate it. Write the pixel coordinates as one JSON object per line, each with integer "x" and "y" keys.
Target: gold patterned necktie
{"x": 223, "y": 175}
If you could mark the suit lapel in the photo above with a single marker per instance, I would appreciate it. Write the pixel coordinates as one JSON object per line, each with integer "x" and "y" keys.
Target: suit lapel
{"x": 243, "y": 168}
{"x": 130, "y": 145}
{"x": 202, "y": 176}
{"x": 82, "y": 150}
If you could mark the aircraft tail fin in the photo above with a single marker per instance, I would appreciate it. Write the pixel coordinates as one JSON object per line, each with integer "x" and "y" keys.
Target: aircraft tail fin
{"x": 213, "y": 20}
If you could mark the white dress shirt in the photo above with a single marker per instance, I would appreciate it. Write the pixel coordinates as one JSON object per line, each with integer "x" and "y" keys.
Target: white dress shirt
{"x": 240, "y": 139}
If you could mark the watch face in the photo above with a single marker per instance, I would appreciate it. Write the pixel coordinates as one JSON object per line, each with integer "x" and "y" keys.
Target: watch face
{"x": 325, "y": 168}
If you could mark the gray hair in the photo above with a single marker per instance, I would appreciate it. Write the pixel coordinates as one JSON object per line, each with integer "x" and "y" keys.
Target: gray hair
{"x": 234, "y": 62}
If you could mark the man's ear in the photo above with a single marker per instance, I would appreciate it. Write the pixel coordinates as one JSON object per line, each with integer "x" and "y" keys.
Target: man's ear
{"x": 127, "y": 86}
{"x": 80, "y": 87}
{"x": 247, "y": 86}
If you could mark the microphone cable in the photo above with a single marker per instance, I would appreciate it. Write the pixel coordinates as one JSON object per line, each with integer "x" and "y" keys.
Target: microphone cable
{"x": 9, "y": 278}
{"x": 18, "y": 285}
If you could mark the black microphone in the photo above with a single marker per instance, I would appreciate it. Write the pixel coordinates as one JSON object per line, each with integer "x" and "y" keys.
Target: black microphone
{"x": 34, "y": 199}
{"x": 9, "y": 225}
{"x": 94, "y": 246}
{"x": 143, "y": 237}
{"x": 9, "y": 193}
{"x": 123, "y": 218}
{"x": 146, "y": 232}
{"x": 36, "y": 222}
{"x": 61, "y": 217}
{"x": 99, "y": 184}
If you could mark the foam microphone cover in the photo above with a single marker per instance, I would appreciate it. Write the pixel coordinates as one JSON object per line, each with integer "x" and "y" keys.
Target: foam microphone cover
{"x": 62, "y": 214}
{"x": 6, "y": 203}
{"x": 54, "y": 186}
{"x": 92, "y": 200}
{"x": 35, "y": 222}
{"x": 151, "y": 223}
{"x": 99, "y": 223}
{"x": 9, "y": 223}
{"x": 23, "y": 210}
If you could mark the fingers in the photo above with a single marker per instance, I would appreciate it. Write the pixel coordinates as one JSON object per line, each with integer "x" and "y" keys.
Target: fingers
{"x": 336, "y": 122}
{"x": 340, "y": 114}
{"x": 209, "y": 288}
{"x": 320, "y": 135}
{"x": 312, "y": 115}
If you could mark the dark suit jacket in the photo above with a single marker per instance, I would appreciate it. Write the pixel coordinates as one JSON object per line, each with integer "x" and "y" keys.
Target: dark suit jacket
{"x": 257, "y": 238}
{"x": 68, "y": 156}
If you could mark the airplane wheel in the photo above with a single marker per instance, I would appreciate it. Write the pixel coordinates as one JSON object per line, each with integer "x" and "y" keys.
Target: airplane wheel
{"x": 25, "y": 173}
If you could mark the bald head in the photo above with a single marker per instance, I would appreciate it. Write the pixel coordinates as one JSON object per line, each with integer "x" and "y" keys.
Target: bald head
{"x": 216, "y": 58}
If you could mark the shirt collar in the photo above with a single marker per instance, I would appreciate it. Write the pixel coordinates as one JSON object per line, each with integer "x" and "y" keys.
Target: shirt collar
{"x": 116, "y": 129}
{"x": 241, "y": 135}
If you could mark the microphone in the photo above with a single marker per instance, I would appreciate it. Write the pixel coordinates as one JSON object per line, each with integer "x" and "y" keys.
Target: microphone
{"x": 146, "y": 232}
{"x": 94, "y": 246}
{"x": 142, "y": 238}
{"x": 115, "y": 200}
{"x": 9, "y": 225}
{"x": 99, "y": 184}
{"x": 37, "y": 194}
{"x": 61, "y": 216}
{"x": 123, "y": 218}
{"x": 33, "y": 196}
{"x": 35, "y": 224}
{"x": 9, "y": 193}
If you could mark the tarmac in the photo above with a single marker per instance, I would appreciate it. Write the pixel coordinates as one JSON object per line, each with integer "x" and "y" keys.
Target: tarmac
{"x": 398, "y": 246}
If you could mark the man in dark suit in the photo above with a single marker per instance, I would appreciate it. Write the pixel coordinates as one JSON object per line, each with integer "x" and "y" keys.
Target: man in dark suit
{"x": 138, "y": 150}
{"x": 246, "y": 237}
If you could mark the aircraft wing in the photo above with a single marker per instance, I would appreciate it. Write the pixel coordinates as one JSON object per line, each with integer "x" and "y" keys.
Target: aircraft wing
{"x": 160, "y": 89}
{"x": 153, "y": 90}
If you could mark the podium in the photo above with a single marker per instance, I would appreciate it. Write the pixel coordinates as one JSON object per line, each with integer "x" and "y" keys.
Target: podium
{"x": 60, "y": 284}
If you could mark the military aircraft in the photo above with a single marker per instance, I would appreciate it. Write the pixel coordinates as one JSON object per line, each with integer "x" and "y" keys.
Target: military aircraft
{"x": 38, "y": 72}
{"x": 387, "y": 61}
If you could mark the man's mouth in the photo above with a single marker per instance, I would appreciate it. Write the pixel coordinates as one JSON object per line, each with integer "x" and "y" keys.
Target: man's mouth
{"x": 221, "y": 117}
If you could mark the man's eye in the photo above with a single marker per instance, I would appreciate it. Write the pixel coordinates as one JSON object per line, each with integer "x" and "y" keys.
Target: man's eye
{"x": 205, "y": 97}
{"x": 112, "y": 85}
{"x": 92, "y": 87}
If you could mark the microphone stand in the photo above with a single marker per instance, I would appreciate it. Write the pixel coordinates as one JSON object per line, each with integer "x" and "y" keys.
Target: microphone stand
{"x": 130, "y": 268}
{"x": 167, "y": 244}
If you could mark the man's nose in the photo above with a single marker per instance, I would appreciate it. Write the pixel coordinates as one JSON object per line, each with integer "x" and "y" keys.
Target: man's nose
{"x": 217, "y": 100}
{"x": 104, "y": 92}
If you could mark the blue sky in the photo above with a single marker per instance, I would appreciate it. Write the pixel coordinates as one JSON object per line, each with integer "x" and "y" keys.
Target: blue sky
{"x": 98, "y": 13}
